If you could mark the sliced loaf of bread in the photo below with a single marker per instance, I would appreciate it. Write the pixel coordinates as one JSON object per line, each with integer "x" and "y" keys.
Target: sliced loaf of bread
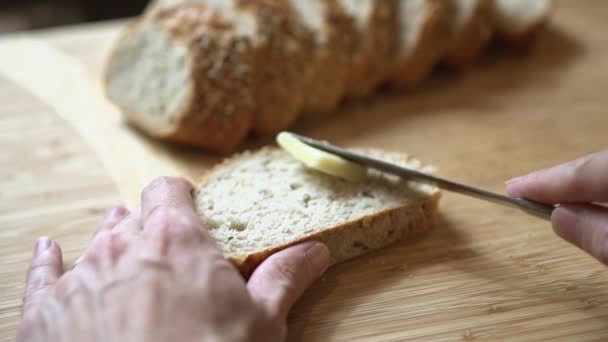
{"x": 281, "y": 56}
{"x": 518, "y": 21}
{"x": 259, "y": 203}
{"x": 334, "y": 38}
{"x": 470, "y": 31}
{"x": 184, "y": 75}
{"x": 281, "y": 67}
{"x": 420, "y": 41}
{"x": 375, "y": 24}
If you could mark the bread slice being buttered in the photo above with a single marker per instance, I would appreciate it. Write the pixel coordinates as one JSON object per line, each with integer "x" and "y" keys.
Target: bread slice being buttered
{"x": 184, "y": 75}
{"x": 259, "y": 203}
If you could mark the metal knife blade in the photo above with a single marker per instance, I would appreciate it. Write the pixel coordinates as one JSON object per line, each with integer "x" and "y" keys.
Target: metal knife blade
{"x": 533, "y": 208}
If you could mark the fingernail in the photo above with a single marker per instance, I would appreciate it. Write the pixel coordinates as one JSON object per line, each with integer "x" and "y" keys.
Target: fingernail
{"x": 565, "y": 223}
{"x": 318, "y": 257}
{"x": 513, "y": 188}
{"x": 115, "y": 212}
{"x": 42, "y": 245}
{"x": 515, "y": 180}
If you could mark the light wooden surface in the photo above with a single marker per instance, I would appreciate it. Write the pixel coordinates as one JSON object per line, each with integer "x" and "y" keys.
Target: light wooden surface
{"x": 484, "y": 273}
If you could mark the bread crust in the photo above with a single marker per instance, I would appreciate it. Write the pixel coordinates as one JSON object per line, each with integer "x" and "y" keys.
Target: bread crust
{"x": 350, "y": 239}
{"x": 325, "y": 86}
{"x": 359, "y": 237}
{"x": 282, "y": 63}
{"x": 373, "y": 52}
{"x": 468, "y": 43}
{"x": 410, "y": 71}
{"x": 218, "y": 114}
{"x": 519, "y": 39}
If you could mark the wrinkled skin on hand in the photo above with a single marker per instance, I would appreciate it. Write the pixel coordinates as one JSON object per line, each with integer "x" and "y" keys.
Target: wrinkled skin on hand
{"x": 578, "y": 186}
{"x": 155, "y": 274}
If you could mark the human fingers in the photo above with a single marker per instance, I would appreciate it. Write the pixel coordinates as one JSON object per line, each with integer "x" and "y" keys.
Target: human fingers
{"x": 280, "y": 280}
{"x": 130, "y": 224}
{"x": 45, "y": 269}
{"x": 585, "y": 226}
{"x": 117, "y": 220}
{"x": 168, "y": 215}
{"x": 167, "y": 192}
{"x": 583, "y": 180}
{"x": 112, "y": 218}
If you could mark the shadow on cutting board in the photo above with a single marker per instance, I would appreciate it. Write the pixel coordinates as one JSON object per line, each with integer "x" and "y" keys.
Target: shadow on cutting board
{"x": 497, "y": 77}
{"x": 344, "y": 287}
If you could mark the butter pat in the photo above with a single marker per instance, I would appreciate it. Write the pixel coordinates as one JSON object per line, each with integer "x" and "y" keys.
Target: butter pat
{"x": 320, "y": 160}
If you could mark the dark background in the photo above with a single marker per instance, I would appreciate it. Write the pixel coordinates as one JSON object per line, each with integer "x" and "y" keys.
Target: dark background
{"x": 18, "y": 15}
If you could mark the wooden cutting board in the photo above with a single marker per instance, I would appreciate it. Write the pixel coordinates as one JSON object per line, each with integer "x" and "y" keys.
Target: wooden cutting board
{"x": 484, "y": 273}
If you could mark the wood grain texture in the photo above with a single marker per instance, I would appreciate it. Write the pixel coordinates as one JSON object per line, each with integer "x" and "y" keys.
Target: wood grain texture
{"x": 485, "y": 273}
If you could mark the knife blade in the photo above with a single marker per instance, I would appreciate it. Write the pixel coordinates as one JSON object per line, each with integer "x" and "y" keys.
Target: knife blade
{"x": 530, "y": 207}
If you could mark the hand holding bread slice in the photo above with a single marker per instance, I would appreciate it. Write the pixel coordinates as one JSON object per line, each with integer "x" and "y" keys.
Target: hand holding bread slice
{"x": 258, "y": 203}
{"x": 209, "y": 72}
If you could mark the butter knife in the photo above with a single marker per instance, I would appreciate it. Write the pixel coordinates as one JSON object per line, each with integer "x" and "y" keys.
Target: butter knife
{"x": 533, "y": 208}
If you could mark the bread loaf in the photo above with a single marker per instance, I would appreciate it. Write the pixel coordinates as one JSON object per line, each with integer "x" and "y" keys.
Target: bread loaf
{"x": 259, "y": 203}
{"x": 470, "y": 31}
{"x": 207, "y": 72}
{"x": 517, "y": 21}
{"x": 281, "y": 66}
{"x": 185, "y": 75}
{"x": 420, "y": 40}
{"x": 334, "y": 36}
{"x": 375, "y": 24}
{"x": 281, "y": 57}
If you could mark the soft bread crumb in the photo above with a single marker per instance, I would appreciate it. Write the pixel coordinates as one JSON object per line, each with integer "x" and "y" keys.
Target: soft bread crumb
{"x": 260, "y": 201}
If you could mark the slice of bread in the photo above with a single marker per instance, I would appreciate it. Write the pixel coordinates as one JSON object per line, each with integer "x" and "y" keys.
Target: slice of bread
{"x": 334, "y": 36}
{"x": 420, "y": 41}
{"x": 376, "y": 25}
{"x": 281, "y": 67}
{"x": 517, "y": 21}
{"x": 281, "y": 56}
{"x": 184, "y": 75}
{"x": 259, "y": 203}
{"x": 470, "y": 31}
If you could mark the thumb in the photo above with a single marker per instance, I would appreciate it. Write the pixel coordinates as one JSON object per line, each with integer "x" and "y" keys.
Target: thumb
{"x": 45, "y": 268}
{"x": 585, "y": 226}
{"x": 280, "y": 280}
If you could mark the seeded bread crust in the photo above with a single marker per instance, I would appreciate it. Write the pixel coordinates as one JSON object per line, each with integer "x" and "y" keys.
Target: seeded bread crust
{"x": 359, "y": 237}
{"x": 516, "y": 36}
{"x": 347, "y": 240}
{"x": 468, "y": 41}
{"x": 281, "y": 67}
{"x": 374, "y": 50}
{"x": 218, "y": 113}
{"x": 520, "y": 40}
{"x": 412, "y": 68}
{"x": 333, "y": 48}
{"x": 281, "y": 59}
